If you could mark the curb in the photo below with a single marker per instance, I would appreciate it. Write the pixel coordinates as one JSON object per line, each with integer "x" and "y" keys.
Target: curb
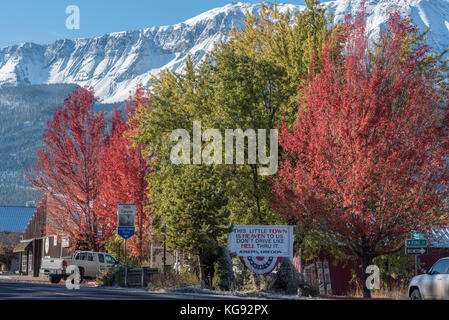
{"x": 44, "y": 281}
{"x": 353, "y": 298}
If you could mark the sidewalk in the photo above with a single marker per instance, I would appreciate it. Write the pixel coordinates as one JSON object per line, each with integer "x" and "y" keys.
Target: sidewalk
{"x": 29, "y": 279}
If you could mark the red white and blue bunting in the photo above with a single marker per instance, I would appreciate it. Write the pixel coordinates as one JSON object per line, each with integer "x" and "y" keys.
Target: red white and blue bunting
{"x": 260, "y": 265}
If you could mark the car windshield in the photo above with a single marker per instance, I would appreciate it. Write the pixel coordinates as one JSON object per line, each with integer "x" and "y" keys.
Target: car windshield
{"x": 110, "y": 259}
{"x": 440, "y": 267}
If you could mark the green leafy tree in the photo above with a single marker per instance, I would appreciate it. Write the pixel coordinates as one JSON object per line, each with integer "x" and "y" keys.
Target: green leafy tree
{"x": 249, "y": 82}
{"x": 256, "y": 75}
{"x": 280, "y": 47}
{"x": 191, "y": 205}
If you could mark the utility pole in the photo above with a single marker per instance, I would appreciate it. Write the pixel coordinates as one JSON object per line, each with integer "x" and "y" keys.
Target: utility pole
{"x": 164, "y": 259}
{"x": 151, "y": 254}
{"x": 416, "y": 265}
{"x": 126, "y": 268}
{"x": 119, "y": 249}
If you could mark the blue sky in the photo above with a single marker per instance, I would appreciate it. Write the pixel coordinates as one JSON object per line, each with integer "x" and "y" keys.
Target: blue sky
{"x": 43, "y": 21}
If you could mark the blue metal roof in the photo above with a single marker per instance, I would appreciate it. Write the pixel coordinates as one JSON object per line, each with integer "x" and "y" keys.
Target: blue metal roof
{"x": 15, "y": 218}
{"x": 440, "y": 238}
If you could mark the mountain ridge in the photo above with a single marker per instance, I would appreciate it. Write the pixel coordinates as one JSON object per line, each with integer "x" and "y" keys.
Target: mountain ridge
{"x": 115, "y": 63}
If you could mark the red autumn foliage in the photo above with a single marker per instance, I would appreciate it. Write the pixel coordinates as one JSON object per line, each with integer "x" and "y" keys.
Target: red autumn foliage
{"x": 123, "y": 178}
{"x": 68, "y": 171}
{"x": 367, "y": 158}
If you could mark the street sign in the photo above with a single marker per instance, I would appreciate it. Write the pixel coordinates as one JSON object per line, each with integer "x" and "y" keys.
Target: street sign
{"x": 416, "y": 243}
{"x": 65, "y": 242}
{"x": 416, "y": 235}
{"x": 126, "y": 219}
{"x": 422, "y": 250}
{"x": 126, "y": 226}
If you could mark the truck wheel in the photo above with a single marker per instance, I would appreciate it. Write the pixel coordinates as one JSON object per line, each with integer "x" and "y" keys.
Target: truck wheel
{"x": 55, "y": 279}
{"x": 415, "y": 295}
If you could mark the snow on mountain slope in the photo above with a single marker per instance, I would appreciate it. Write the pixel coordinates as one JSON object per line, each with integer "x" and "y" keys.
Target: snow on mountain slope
{"x": 115, "y": 63}
{"x": 432, "y": 14}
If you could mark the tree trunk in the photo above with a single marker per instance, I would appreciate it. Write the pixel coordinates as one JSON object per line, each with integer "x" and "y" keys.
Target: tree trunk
{"x": 201, "y": 270}
{"x": 367, "y": 260}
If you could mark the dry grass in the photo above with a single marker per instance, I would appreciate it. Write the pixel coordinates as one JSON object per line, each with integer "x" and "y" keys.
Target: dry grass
{"x": 395, "y": 292}
{"x": 174, "y": 280}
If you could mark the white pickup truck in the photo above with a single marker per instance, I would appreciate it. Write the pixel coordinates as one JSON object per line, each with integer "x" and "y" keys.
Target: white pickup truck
{"x": 90, "y": 265}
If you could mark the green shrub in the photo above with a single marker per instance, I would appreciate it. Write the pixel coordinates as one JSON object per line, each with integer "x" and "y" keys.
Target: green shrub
{"x": 287, "y": 279}
{"x": 248, "y": 281}
{"x": 261, "y": 283}
{"x": 112, "y": 277}
{"x": 243, "y": 281}
{"x": 223, "y": 275}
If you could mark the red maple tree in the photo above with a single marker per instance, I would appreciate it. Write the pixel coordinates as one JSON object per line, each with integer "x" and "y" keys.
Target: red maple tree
{"x": 68, "y": 169}
{"x": 367, "y": 158}
{"x": 123, "y": 176}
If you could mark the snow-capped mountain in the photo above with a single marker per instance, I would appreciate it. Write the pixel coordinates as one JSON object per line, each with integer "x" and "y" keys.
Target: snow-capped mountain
{"x": 432, "y": 14}
{"x": 115, "y": 63}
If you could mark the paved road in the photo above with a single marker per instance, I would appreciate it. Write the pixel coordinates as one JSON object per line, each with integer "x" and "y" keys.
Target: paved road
{"x": 10, "y": 290}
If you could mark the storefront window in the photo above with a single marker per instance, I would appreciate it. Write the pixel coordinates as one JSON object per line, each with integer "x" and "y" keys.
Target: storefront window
{"x": 24, "y": 261}
{"x": 30, "y": 261}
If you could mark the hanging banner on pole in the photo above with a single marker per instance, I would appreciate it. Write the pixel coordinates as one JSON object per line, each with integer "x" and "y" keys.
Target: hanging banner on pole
{"x": 126, "y": 219}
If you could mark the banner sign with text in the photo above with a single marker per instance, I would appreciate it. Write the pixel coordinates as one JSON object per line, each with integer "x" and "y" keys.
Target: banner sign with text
{"x": 261, "y": 241}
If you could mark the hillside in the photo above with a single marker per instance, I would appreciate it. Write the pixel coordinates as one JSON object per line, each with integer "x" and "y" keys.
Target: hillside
{"x": 24, "y": 112}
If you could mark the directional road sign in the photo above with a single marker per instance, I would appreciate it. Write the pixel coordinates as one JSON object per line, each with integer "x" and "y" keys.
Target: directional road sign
{"x": 416, "y": 243}
{"x": 416, "y": 250}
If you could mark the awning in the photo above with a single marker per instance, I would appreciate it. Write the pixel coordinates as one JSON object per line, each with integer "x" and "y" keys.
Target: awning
{"x": 22, "y": 246}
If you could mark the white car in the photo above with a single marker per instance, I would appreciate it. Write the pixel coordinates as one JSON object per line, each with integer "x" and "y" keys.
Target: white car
{"x": 432, "y": 285}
